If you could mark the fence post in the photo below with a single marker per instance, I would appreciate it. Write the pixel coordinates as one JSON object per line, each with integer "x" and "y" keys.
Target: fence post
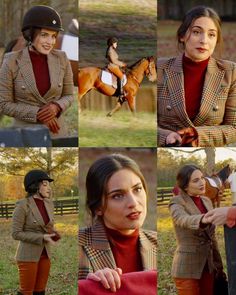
{"x": 230, "y": 246}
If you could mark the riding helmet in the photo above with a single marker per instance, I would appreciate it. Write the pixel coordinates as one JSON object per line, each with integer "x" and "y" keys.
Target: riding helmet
{"x": 35, "y": 176}
{"x": 111, "y": 41}
{"x": 41, "y": 16}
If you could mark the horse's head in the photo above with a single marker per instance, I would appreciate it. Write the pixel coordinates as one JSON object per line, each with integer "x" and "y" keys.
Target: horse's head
{"x": 151, "y": 72}
{"x": 224, "y": 173}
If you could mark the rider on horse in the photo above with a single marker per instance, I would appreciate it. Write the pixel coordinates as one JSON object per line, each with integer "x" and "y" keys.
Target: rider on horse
{"x": 115, "y": 64}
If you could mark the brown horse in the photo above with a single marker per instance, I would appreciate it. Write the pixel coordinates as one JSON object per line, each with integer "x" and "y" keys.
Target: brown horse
{"x": 216, "y": 184}
{"x": 71, "y": 36}
{"x": 90, "y": 77}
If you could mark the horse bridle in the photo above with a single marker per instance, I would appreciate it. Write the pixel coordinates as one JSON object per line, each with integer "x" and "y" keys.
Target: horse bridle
{"x": 148, "y": 70}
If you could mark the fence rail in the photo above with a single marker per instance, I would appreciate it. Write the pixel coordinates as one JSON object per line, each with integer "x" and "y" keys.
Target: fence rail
{"x": 165, "y": 194}
{"x": 61, "y": 207}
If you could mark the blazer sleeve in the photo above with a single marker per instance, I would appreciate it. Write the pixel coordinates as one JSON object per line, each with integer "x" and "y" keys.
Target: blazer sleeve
{"x": 181, "y": 217}
{"x": 114, "y": 58}
{"x": 67, "y": 96}
{"x": 18, "y": 223}
{"x": 161, "y": 135}
{"x": 20, "y": 110}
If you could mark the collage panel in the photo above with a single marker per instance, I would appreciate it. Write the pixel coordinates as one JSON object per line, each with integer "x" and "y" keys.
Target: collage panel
{"x": 118, "y": 64}
{"x": 39, "y": 73}
{"x": 117, "y": 221}
{"x": 39, "y": 220}
{"x": 196, "y": 197}
{"x": 196, "y": 73}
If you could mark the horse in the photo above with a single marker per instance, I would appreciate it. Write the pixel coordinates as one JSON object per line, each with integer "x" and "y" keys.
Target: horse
{"x": 216, "y": 184}
{"x": 90, "y": 77}
{"x": 67, "y": 42}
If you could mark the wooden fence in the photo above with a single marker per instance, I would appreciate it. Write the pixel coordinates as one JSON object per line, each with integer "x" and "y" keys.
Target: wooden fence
{"x": 165, "y": 194}
{"x": 145, "y": 102}
{"x": 61, "y": 207}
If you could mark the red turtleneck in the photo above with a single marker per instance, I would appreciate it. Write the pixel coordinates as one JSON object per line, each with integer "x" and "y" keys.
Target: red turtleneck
{"x": 194, "y": 77}
{"x": 126, "y": 250}
{"x": 199, "y": 203}
{"x": 41, "y": 71}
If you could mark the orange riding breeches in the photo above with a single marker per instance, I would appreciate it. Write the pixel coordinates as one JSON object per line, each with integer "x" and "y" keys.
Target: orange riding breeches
{"x": 115, "y": 70}
{"x": 33, "y": 275}
{"x": 202, "y": 286}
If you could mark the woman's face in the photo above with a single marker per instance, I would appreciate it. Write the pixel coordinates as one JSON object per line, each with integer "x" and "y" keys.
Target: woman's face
{"x": 200, "y": 39}
{"x": 45, "y": 189}
{"x": 124, "y": 206}
{"x": 115, "y": 45}
{"x": 45, "y": 40}
{"x": 196, "y": 185}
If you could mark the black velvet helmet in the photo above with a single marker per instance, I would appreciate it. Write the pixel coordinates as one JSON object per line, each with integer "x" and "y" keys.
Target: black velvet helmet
{"x": 35, "y": 176}
{"x": 40, "y": 16}
{"x": 111, "y": 41}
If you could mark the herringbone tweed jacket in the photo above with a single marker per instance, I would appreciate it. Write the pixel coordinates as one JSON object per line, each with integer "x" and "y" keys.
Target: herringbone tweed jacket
{"x": 95, "y": 252}
{"x": 28, "y": 227}
{"x": 216, "y": 120}
{"x": 196, "y": 246}
{"x": 19, "y": 95}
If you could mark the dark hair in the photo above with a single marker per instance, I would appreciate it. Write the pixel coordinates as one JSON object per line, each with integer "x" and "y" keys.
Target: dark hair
{"x": 191, "y": 16}
{"x": 184, "y": 175}
{"x": 99, "y": 174}
{"x": 33, "y": 189}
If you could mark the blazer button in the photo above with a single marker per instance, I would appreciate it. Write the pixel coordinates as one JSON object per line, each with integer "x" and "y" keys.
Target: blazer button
{"x": 169, "y": 108}
{"x": 59, "y": 85}
{"x": 202, "y": 242}
{"x": 215, "y": 108}
{"x": 23, "y": 87}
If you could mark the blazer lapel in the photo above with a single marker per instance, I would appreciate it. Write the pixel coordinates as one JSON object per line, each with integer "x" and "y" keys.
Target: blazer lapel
{"x": 35, "y": 211}
{"x": 54, "y": 71}
{"x": 175, "y": 83}
{"x": 148, "y": 252}
{"x": 27, "y": 72}
{"x": 212, "y": 84}
{"x": 99, "y": 251}
{"x": 190, "y": 205}
{"x": 50, "y": 210}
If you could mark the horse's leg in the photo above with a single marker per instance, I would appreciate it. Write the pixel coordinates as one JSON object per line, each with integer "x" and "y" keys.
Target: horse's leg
{"x": 131, "y": 103}
{"x": 115, "y": 109}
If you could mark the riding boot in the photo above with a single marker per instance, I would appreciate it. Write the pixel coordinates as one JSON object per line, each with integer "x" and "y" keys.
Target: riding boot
{"x": 19, "y": 293}
{"x": 39, "y": 293}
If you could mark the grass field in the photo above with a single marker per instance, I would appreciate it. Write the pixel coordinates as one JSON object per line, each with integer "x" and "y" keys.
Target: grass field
{"x": 166, "y": 248}
{"x": 132, "y": 21}
{"x": 64, "y": 263}
{"x": 123, "y": 129}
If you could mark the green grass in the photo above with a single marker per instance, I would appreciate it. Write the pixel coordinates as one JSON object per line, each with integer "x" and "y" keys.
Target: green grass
{"x": 166, "y": 248}
{"x": 133, "y": 22}
{"x": 64, "y": 263}
{"x": 123, "y": 129}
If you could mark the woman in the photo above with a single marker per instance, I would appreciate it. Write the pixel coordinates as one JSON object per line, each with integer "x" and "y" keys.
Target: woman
{"x": 36, "y": 84}
{"x": 115, "y": 243}
{"x": 32, "y": 225}
{"x": 115, "y": 64}
{"x": 196, "y": 259}
{"x": 196, "y": 92}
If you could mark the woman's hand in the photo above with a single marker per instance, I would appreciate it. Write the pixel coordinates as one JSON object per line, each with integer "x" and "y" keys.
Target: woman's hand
{"x": 53, "y": 125}
{"x": 48, "y": 238}
{"x": 109, "y": 278}
{"x": 48, "y": 112}
{"x": 173, "y": 138}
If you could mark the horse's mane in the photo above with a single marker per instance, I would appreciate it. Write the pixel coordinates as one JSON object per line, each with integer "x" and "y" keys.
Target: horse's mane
{"x": 137, "y": 63}
{"x": 224, "y": 173}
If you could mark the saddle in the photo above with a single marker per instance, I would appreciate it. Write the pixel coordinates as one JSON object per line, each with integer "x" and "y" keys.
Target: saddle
{"x": 108, "y": 78}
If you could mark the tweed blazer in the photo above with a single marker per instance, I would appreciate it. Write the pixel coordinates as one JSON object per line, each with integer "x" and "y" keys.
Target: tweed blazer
{"x": 19, "y": 95}
{"x": 196, "y": 246}
{"x": 114, "y": 58}
{"x": 95, "y": 252}
{"x": 216, "y": 120}
{"x": 28, "y": 227}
